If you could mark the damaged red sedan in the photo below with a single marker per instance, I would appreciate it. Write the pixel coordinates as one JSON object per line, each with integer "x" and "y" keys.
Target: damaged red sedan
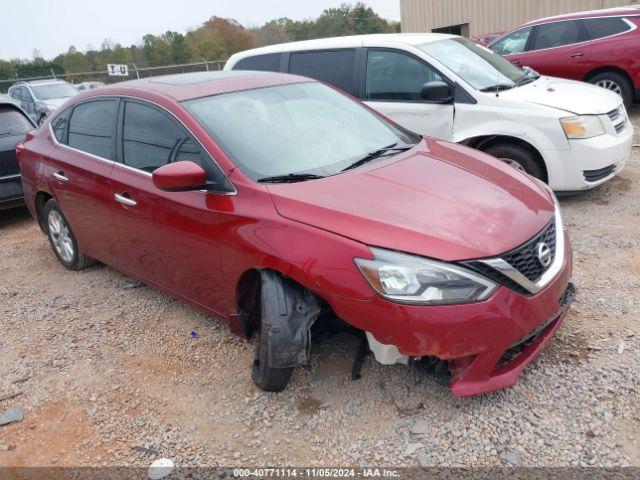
{"x": 269, "y": 200}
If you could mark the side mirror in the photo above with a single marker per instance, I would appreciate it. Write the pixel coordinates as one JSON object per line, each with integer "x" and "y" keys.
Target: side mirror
{"x": 437, "y": 92}
{"x": 180, "y": 177}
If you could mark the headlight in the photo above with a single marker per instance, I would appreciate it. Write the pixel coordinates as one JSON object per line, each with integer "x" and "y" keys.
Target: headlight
{"x": 407, "y": 278}
{"x": 585, "y": 126}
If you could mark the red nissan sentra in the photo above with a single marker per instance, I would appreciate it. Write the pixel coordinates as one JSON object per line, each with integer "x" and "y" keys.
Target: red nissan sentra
{"x": 269, "y": 200}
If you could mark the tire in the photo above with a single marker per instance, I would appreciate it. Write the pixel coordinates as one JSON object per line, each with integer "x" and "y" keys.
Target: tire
{"x": 265, "y": 377}
{"x": 63, "y": 242}
{"x": 519, "y": 157}
{"x": 615, "y": 82}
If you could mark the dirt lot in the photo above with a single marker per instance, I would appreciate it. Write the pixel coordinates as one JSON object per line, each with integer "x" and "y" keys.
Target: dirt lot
{"x": 109, "y": 374}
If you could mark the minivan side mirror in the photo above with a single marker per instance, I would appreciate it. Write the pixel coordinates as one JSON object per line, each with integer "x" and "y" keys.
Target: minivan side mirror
{"x": 437, "y": 92}
{"x": 180, "y": 177}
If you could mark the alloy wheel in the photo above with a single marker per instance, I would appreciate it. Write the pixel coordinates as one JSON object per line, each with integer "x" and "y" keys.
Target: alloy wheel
{"x": 60, "y": 236}
{"x": 610, "y": 85}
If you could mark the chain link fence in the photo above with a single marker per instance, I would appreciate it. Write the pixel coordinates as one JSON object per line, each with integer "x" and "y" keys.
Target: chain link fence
{"x": 103, "y": 76}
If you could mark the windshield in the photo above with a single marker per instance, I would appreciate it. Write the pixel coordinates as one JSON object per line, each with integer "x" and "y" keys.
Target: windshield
{"x": 54, "y": 90}
{"x": 478, "y": 66}
{"x": 303, "y": 128}
{"x": 12, "y": 122}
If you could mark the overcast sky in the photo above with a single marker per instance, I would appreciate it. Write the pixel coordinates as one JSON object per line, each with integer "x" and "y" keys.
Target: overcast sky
{"x": 51, "y": 26}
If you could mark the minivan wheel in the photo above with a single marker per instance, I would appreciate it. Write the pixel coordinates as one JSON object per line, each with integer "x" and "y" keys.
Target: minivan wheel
{"x": 518, "y": 157}
{"x": 616, "y": 83}
{"x": 62, "y": 240}
{"x": 265, "y": 377}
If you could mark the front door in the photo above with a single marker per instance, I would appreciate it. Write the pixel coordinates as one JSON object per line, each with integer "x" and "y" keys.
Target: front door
{"x": 393, "y": 81}
{"x": 171, "y": 238}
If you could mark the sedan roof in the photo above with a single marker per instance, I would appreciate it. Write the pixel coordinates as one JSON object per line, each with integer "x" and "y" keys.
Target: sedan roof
{"x": 607, "y": 12}
{"x": 186, "y": 86}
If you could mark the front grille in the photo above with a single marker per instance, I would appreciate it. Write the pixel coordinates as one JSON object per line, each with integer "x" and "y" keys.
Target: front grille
{"x": 615, "y": 114}
{"x": 524, "y": 259}
{"x": 595, "y": 175}
{"x": 8, "y": 163}
{"x": 620, "y": 127}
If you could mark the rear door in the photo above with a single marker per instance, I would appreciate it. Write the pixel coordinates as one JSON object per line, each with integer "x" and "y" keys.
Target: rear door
{"x": 171, "y": 238}
{"x": 392, "y": 83}
{"x": 79, "y": 168}
{"x": 560, "y": 49}
{"x": 514, "y": 46}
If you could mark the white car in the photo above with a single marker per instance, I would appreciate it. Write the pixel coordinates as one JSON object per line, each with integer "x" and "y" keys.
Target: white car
{"x": 570, "y": 134}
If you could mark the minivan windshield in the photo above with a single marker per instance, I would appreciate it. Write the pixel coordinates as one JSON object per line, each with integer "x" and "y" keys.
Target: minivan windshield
{"x": 299, "y": 131}
{"x": 54, "y": 90}
{"x": 478, "y": 66}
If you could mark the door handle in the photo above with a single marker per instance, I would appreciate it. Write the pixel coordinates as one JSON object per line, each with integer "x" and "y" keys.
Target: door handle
{"x": 577, "y": 55}
{"x": 60, "y": 177}
{"x": 125, "y": 200}
{"x": 515, "y": 62}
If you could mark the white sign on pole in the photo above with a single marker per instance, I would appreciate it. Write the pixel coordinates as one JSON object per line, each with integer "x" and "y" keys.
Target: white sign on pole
{"x": 115, "y": 70}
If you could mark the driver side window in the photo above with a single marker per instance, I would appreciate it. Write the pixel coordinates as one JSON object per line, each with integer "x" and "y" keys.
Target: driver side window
{"x": 151, "y": 139}
{"x": 513, "y": 43}
{"x": 396, "y": 76}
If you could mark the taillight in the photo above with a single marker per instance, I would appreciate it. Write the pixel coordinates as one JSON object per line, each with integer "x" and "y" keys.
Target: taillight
{"x": 20, "y": 149}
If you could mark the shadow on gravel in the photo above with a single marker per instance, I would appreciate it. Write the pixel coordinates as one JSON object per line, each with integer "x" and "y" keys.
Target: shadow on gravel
{"x": 15, "y": 216}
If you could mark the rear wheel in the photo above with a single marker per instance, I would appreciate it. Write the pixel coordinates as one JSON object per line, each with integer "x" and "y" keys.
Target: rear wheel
{"x": 616, "y": 83}
{"x": 62, "y": 240}
{"x": 518, "y": 157}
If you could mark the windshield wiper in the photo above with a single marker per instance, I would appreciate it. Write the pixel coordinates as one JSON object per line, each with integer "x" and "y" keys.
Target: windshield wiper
{"x": 526, "y": 80}
{"x": 290, "y": 178}
{"x": 498, "y": 87}
{"x": 381, "y": 152}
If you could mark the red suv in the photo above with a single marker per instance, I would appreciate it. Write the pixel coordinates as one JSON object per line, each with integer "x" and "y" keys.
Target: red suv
{"x": 601, "y": 47}
{"x": 275, "y": 202}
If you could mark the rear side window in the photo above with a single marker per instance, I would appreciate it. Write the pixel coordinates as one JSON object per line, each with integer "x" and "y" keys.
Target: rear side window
{"x": 396, "y": 76}
{"x": 559, "y": 34}
{"x": 59, "y": 125}
{"x": 91, "y": 127}
{"x": 264, "y": 63}
{"x": 151, "y": 139}
{"x": 333, "y": 67}
{"x": 13, "y": 122}
{"x": 605, "y": 27}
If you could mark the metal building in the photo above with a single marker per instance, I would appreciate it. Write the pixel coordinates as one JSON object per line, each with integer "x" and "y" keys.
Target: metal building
{"x": 473, "y": 17}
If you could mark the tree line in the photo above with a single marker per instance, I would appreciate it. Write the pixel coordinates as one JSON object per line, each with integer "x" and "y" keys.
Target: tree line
{"x": 216, "y": 39}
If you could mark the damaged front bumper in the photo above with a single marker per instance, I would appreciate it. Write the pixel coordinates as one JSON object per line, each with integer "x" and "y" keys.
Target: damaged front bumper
{"x": 486, "y": 344}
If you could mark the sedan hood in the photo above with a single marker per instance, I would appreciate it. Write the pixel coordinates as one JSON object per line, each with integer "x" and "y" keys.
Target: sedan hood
{"x": 579, "y": 98}
{"x": 439, "y": 200}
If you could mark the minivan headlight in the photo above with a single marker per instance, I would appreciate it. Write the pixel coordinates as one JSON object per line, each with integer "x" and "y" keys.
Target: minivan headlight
{"x": 405, "y": 278}
{"x": 583, "y": 126}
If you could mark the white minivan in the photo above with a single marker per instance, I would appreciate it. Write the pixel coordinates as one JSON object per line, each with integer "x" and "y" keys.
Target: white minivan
{"x": 570, "y": 134}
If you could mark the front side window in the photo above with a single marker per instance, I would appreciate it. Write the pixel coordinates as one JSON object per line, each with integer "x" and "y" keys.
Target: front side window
{"x": 513, "y": 43}
{"x": 91, "y": 127}
{"x": 333, "y": 67}
{"x": 396, "y": 76}
{"x": 558, "y": 34}
{"x": 151, "y": 139}
{"x": 13, "y": 122}
{"x": 26, "y": 95}
{"x": 605, "y": 27}
{"x": 479, "y": 67}
{"x": 303, "y": 128}
{"x": 54, "y": 90}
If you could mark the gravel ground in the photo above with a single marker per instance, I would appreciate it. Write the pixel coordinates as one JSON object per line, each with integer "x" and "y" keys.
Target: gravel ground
{"x": 108, "y": 373}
